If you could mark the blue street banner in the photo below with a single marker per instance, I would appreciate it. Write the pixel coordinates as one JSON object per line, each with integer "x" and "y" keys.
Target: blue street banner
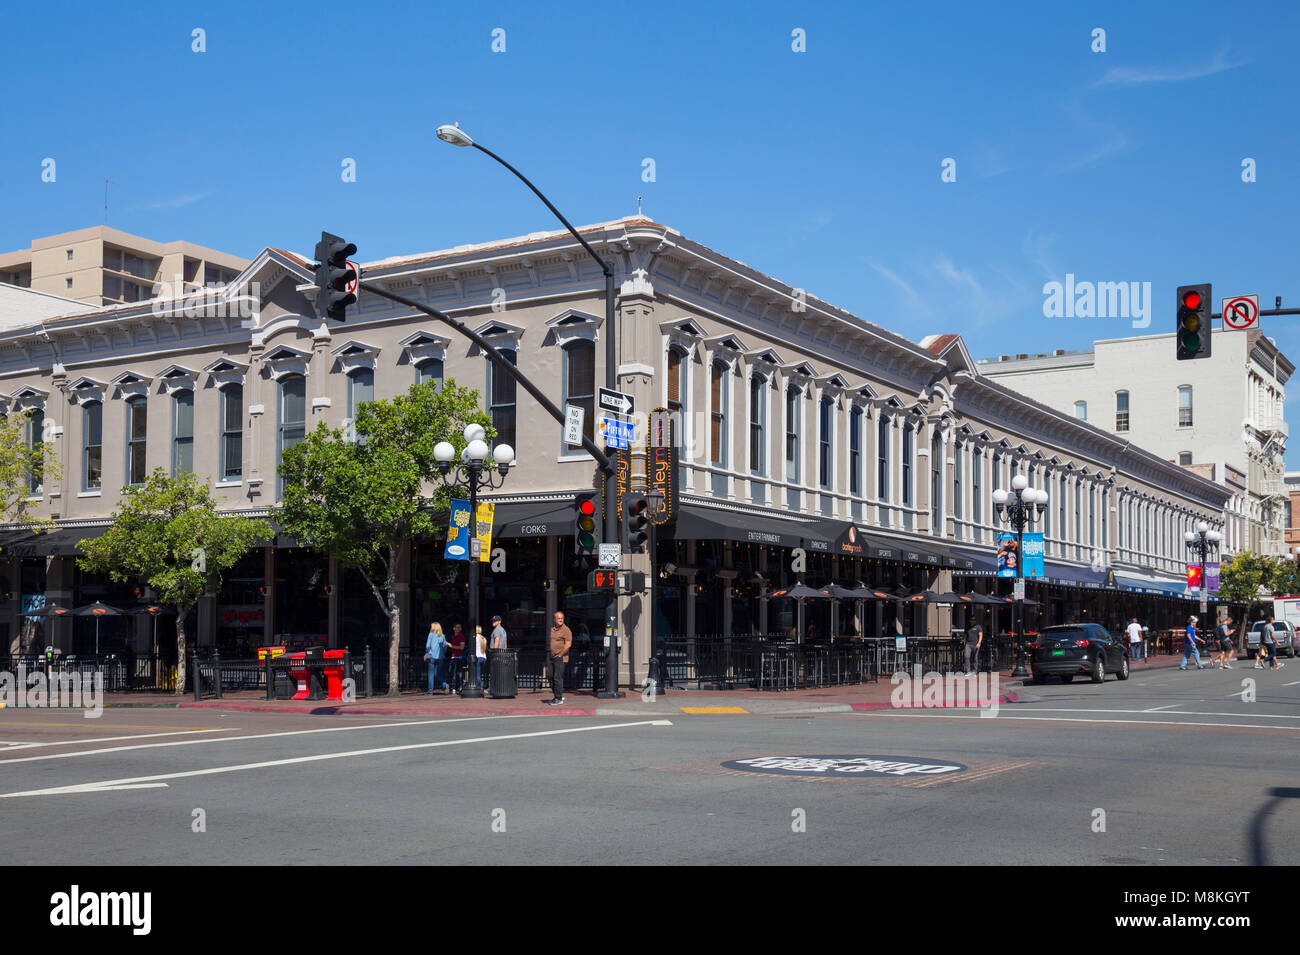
{"x": 1212, "y": 578}
{"x": 1010, "y": 556}
{"x": 458, "y": 532}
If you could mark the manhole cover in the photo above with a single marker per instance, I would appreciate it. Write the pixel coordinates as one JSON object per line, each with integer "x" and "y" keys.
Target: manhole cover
{"x": 823, "y": 766}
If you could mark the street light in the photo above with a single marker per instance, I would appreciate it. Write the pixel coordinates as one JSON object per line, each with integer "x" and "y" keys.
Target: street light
{"x": 1019, "y": 508}
{"x": 456, "y": 136}
{"x": 472, "y": 474}
{"x": 1201, "y": 542}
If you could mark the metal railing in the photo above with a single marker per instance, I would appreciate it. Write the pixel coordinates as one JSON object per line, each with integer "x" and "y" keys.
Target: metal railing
{"x": 716, "y": 662}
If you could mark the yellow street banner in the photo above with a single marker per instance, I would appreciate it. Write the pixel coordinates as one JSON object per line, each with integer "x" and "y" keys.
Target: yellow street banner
{"x": 483, "y": 528}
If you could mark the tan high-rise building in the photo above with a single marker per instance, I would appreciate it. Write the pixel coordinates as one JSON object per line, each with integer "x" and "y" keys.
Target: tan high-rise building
{"x": 104, "y": 266}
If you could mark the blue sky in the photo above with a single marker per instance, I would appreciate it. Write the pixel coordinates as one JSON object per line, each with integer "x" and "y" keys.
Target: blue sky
{"x": 819, "y": 167}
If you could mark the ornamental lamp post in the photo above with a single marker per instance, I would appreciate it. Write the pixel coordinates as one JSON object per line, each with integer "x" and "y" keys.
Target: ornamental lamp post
{"x": 1018, "y": 508}
{"x": 1200, "y": 543}
{"x": 472, "y": 473}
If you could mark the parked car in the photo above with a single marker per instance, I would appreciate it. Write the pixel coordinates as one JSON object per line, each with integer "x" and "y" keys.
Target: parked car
{"x": 1076, "y": 649}
{"x": 1283, "y": 631}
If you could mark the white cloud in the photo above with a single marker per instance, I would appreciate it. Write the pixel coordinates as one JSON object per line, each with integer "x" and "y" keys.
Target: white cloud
{"x": 177, "y": 202}
{"x": 1137, "y": 76}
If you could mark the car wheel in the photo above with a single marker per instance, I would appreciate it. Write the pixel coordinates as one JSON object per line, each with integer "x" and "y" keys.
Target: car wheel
{"x": 1099, "y": 671}
{"x": 1039, "y": 678}
{"x": 1067, "y": 677}
{"x": 1122, "y": 674}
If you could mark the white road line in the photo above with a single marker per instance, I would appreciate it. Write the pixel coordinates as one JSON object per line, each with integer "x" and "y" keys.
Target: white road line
{"x": 1262, "y": 716}
{"x": 1156, "y": 709}
{"x": 1293, "y": 683}
{"x": 131, "y": 782}
{"x": 114, "y": 739}
{"x": 227, "y": 739}
{"x": 1068, "y": 719}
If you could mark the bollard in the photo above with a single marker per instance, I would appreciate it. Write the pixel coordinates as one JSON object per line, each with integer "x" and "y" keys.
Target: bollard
{"x": 194, "y": 670}
{"x": 216, "y": 674}
{"x": 370, "y": 687}
{"x": 270, "y": 676}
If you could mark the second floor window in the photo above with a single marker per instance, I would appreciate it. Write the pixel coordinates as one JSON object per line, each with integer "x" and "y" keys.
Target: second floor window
{"x": 792, "y": 434}
{"x": 183, "y": 432}
{"x": 232, "y": 432}
{"x": 1121, "y": 411}
{"x": 719, "y": 393}
{"x": 92, "y": 432}
{"x": 855, "y": 451}
{"x": 501, "y": 398}
{"x": 825, "y": 417}
{"x": 35, "y": 443}
{"x": 580, "y": 384}
{"x": 882, "y": 459}
{"x": 676, "y": 389}
{"x": 936, "y": 484}
{"x": 976, "y": 503}
{"x": 293, "y": 413}
{"x": 1185, "y": 406}
{"x": 137, "y": 421}
{"x": 756, "y": 421}
{"x": 429, "y": 370}
{"x": 907, "y": 466}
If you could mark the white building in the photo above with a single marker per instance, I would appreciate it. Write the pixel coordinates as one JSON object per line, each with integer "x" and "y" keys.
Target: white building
{"x": 1220, "y": 416}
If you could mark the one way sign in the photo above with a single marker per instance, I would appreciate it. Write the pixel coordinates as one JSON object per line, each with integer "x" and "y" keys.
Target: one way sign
{"x": 614, "y": 401}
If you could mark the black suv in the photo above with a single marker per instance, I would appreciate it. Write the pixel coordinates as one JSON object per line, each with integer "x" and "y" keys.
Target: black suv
{"x": 1078, "y": 648}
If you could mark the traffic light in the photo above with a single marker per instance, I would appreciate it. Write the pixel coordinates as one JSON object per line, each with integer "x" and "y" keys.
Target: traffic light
{"x": 1193, "y": 321}
{"x": 636, "y": 518}
{"x": 584, "y": 524}
{"x": 336, "y": 277}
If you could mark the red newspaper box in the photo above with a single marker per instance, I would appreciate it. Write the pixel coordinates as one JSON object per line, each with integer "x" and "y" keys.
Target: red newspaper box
{"x": 334, "y": 666}
{"x": 298, "y": 674}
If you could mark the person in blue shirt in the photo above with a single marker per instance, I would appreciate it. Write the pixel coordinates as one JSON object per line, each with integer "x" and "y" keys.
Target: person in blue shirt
{"x": 1190, "y": 639}
{"x": 435, "y": 650}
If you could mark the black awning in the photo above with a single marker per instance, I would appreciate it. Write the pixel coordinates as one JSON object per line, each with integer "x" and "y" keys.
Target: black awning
{"x": 697, "y": 522}
{"x": 532, "y": 519}
{"x": 61, "y": 542}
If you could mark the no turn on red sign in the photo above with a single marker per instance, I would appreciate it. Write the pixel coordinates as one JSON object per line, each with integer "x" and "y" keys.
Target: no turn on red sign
{"x": 1241, "y": 312}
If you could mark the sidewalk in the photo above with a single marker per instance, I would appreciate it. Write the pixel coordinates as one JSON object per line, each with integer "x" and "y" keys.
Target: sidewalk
{"x": 740, "y": 702}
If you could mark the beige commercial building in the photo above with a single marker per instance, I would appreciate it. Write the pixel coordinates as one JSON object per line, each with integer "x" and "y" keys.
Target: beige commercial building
{"x": 103, "y": 266}
{"x": 813, "y": 445}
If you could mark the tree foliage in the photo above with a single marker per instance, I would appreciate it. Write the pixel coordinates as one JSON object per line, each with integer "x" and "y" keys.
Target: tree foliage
{"x": 1242, "y": 579}
{"x": 168, "y": 533}
{"x": 362, "y": 495}
{"x": 20, "y": 458}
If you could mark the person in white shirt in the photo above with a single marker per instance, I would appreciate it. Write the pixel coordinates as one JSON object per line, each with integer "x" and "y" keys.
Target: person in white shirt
{"x": 1135, "y": 639}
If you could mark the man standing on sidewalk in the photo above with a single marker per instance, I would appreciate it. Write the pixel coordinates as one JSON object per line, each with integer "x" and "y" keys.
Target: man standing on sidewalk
{"x": 974, "y": 640}
{"x": 1135, "y": 640}
{"x": 557, "y": 657}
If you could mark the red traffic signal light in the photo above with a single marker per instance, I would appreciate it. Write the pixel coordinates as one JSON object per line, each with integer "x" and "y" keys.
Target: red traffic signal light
{"x": 584, "y": 524}
{"x": 1192, "y": 333}
{"x": 1192, "y": 300}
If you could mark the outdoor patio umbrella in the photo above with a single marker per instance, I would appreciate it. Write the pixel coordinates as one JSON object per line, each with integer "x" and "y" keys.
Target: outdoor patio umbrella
{"x": 799, "y": 593}
{"x": 153, "y": 610}
{"x": 47, "y": 612}
{"x": 97, "y": 610}
{"x": 837, "y": 593}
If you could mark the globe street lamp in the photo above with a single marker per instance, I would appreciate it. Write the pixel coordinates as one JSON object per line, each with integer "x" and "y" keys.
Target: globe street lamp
{"x": 1201, "y": 543}
{"x": 472, "y": 473}
{"x": 1018, "y": 508}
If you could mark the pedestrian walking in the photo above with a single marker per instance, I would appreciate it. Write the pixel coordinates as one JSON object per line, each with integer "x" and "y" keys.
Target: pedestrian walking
{"x": 456, "y": 648}
{"x": 1226, "y": 646}
{"x": 1135, "y": 640}
{"x": 1190, "y": 640}
{"x": 974, "y": 640}
{"x": 1268, "y": 641}
{"x": 557, "y": 656}
{"x": 435, "y": 648}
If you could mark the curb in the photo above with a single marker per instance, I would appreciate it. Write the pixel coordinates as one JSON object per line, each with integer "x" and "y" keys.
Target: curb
{"x": 378, "y": 711}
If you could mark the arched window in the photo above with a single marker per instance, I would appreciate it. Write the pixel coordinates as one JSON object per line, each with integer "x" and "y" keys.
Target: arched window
{"x": 183, "y": 432}
{"x": 855, "y": 452}
{"x": 232, "y": 432}
{"x": 936, "y": 483}
{"x": 825, "y": 426}
{"x": 676, "y": 382}
{"x": 719, "y": 399}
{"x": 1081, "y": 410}
{"x": 293, "y": 415}
{"x": 361, "y": 388}
{"x": 137, "y": 425}
{"x": 35, "y": 444}
{"x": 792, "y": 415}
{"x": 757, "y": 423}
{"x": 501, "y": 398}
{"x": 882, "y": 465}
{"x": 429, "y": 370}
{"x": 92, "y": 446}
{"x": 580, "y": 383}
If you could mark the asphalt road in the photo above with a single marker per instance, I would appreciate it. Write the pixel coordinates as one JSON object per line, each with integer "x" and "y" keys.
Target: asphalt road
{"x": 1167, "y": 768}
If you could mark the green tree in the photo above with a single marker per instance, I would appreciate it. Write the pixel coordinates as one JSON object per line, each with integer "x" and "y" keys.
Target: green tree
{"x": 1284, "y": 578}
{"x": 20, "y": 460}
{"x": 360, "y": 498}
{"x": 168, "y": 533}
{"x": 1241, "y": 578}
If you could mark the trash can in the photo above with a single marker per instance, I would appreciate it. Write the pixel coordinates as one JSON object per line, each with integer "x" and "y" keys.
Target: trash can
{"x": 504, "y": 668}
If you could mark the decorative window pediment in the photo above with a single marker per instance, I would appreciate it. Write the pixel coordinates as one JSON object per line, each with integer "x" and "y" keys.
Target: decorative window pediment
{"x": 767, "y": 358}
{"x": 501, "y": 334}
{"x": 835, "y": 383}
{"x": 354, "y": 355}
{"x": 283, "y": 360}
{"x": 424, "y": 345}
{"x": 226, "y": 372}
{"x": 802, "y": 370}
{"x": 86, "y": 389}
{"x": 129, "y": 384}
{"x": 177, "y": 378}
{"x": 571, "y": 325}
{"x": 27, "y": 398}
{"x": 727, "y": 347}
